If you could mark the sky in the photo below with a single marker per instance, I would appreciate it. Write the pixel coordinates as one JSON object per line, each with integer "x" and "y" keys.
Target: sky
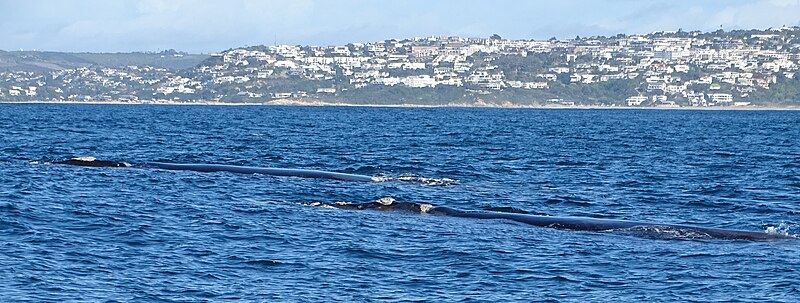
{"x": 205, "y": 26}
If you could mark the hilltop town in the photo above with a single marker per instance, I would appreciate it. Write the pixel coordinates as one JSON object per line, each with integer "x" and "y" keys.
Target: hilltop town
{"x": 662, "y": 69}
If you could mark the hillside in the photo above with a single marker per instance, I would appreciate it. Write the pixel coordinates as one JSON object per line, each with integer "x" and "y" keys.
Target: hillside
{"x": 38, "y": 61}
{"x": 677, "y": 69}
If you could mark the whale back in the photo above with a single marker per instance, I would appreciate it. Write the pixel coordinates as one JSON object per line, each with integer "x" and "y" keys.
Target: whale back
{"x": 286, "y": 172}
{"x": 658, "y": 230}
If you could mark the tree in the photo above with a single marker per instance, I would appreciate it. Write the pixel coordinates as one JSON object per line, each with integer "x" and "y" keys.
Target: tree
{"x": 495, "y": 37}
{"x": 564, "y": 78}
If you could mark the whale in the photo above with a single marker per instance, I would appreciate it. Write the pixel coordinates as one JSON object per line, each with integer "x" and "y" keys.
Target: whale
{"x": 285, "y": 172}
{"x": 92, "y": 162}
{"x": 660, "y": 230}
{"x": 390, "y": 204}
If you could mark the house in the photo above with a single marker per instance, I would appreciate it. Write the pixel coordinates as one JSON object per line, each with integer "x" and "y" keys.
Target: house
{"x": 548, "y": 77}
{"x": 285, "y": 64}
{"x": 659, "y": 99}
{"x": 656, "y": 86}
{"x": 704, "y": 80}
{"x": 681, "y": 68}
{"x": 674, "y": 89}
{"x": 721, "y": 98}
{"x": 451, "y": 81}
{"x": 559, "y": 70}
{"x": 281, "y": 95}
{"x": 636, "y": 100}
{"x": 419, "y": 65}
{"x": 419, "y": 81}
{"x": 424, "y": 51}
{"x": 388, "y": 81}
{"x": 536, "y": 85}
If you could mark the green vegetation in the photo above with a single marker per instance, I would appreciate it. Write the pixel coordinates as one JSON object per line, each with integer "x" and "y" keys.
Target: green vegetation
{"x": 665, "y": 68}
{"x": 784, "y": 92}
{"x": 388, "y": 95}
{"x": 526, "y": 68}
{"x": 47, "y": 61}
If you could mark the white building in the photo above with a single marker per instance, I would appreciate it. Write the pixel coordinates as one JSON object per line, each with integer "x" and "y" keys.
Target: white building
{"x": 636, "y": 100}
{"x": 722, "y": 98}
{"x": 419, "y": 81}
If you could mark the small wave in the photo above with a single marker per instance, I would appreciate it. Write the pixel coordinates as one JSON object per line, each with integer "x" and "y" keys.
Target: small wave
{"x": 665, "y": 232}
{"x": 573, "y": 163}
{"x": 700, "y": 255}
{"x": 11, "y": 207}
{"x": 791, "y": 165}
{"x": 425, "y": 181}
{"x": 40, "y": 162}
{"x": 568, "y": 200}
{"x": 262, "y": 262}
{"x": 724, "y": 153}
{"x": 563, "y": 279}
{"x": 381, "y": 179}
{"x": 363, "y": 170}
{"x": 507, "y": 209}
{"x": 782, "y": 229}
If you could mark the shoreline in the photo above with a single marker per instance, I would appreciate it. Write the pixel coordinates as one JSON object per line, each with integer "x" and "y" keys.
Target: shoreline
{"x": 317, "y": 103}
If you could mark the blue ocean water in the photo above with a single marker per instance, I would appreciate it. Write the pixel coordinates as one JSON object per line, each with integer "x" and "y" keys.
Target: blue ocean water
{"x": 77, "y": 234}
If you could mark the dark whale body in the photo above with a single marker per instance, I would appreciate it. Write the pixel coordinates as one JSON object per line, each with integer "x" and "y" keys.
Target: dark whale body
{"x": 286, "y": 172}
{"x": 569, "y": 223}
{"x": 303, "y": 173}
{"x": 389, "y": 204}
{"x": 92, "y": 162}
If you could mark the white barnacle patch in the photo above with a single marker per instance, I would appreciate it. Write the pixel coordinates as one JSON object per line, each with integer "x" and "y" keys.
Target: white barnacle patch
{"x": 320, "y": 204}
{"x": 425, "y": 208}
{"x": 342, "y": 203}
{"x": 85, "y": 159}
{"x": 386, "y": 201}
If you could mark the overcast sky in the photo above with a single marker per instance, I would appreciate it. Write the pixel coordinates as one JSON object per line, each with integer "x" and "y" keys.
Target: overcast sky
{"x": 203, "y": 26}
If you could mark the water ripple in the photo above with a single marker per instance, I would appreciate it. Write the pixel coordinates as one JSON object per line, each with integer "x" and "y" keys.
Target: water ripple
{"x": 118, "y": 235}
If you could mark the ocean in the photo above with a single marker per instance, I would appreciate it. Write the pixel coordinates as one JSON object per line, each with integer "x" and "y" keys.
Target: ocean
{"x": 99, "y": 234}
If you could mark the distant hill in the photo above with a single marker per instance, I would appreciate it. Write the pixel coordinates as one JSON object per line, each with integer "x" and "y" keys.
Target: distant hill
{"x": 661, "y": 69}
{"x": 38, "y": 61}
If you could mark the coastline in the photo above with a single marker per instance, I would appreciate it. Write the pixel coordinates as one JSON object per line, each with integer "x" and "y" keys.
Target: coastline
{"x": 319, "y": 103}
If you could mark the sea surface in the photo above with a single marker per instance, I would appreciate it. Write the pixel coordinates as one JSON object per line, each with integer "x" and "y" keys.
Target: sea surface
{"x": 81, "y": 234}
